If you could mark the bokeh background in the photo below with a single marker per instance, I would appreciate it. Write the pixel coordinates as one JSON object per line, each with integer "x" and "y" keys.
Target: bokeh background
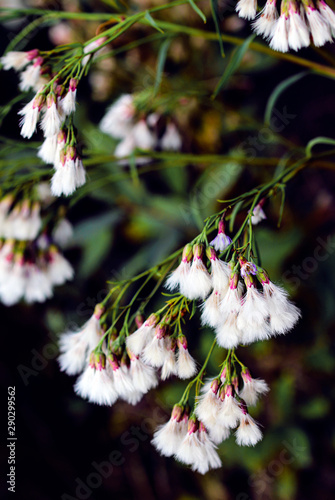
{"x": 124, "y": 223}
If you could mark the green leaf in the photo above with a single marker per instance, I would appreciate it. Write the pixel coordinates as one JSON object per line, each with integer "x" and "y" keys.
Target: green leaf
{"x": 233, "y": 64}
{"x": 152, "y": 22}
{"x": 214, "y": 8}
{"x": 94, "y": 252}
{"x": 317, "y": 407}
{"x": 162, "y": 54}
{"x": 197, "y": 10}
{"x": 235, "y": 211}
{"x": 318, "y": 140}
{"x": 282, "y": 204}
{"x": 277, "y": 91}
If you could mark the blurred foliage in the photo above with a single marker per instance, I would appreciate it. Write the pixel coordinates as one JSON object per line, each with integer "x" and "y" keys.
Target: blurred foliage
{"x": 128, "y": 219}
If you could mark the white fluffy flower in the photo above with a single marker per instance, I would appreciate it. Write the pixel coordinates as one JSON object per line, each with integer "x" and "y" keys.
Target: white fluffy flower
{"x": 170, "y": 366}
{"x": 118, "y": 121}
{"x": 69, "y": 174}
{"x": 264, "y": 25}
{"x": 198, "y": 450}
{"x": 298, "y": 33}
{"x": 30, "y": 76}
{"x": 13, "y": 283}
{"x": 252, "y": 388}
{"x": 75, "y": 346}
{"x": 283, "y": 314}
{"x": 15, "y": 60}
{"x": 211, "y": 459}
{"x": 211, "y": 312}
{"x": 209, "y": 405}
{"x": 258, "y": 215}
{"x": 279, "y": 40}
{"x": 62, "y": 232}
{"x": 59, "y": 269}
{"x": 97, "y": 386}
{"x": 38, "y": 286}
{"x": 68, "y": 103}
{"x": 247, "y": 8}
{"x": 125, "y": 148}
{"x": 186, "y": 366}
{"x": 231, "y": 302}
{"x": 228, "y": 335}
{"x": 180, "y": 276}
{"x": 231, "y": 411}
{"x": 171, "y": 140}
{"x": 220, "y": 275}
{"x": 168, "y": 437}
{"x": 198, "y": 283}
{"x": 252, "y": 318}
{"x": 155, "y": 352}
{"x": 138, "y": 340}
{"x": 122, "y": 381}
{"x": 90, "y": 47}
{"x": 143, "y": 376}
{"x": 30, "y": 114}
{"x": 47, "y": 151}
{"x": 144, "y": 138}
{"x": 248, "y": 432}
{"x": 327, "y": 14}
{"x": 52, "y": 120}
{"x": 319, "y": 27}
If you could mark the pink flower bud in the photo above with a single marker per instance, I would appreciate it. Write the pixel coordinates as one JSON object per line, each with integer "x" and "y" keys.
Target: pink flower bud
{"x": 32, "y": 54}
{"x": 100, "y": 361}
{"x": 152, "y": 320}
{"x": 182, "y": 341}
{"x": 246, "y": 375}
{"x": 215, "y": 386}
{"x": 73, "y": 84}
{"x": 98, "y": 311}
{"x": 187, "y": 253}
{"x": 192, "y": 426}
{"x": 38, "y": 61}
{"x": 161, "y": 330}
{"x": 211, "y": 253}
{"x": 177, "y": 412}
{"x": 112, "y": 360}
{"x": 139, "y": 320}
{"x": 198, "y": 251}
{"x": 229, "y": 391}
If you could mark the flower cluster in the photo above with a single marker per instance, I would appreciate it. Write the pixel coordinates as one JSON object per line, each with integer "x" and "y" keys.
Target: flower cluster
{"x": 30, "y": 270}
{"x": 295, "y": 25}
{"x": 30, "y": 262}
{"x": 106, "y": 374}
{"x": 53, "y": 104}
{"x": 31, "y": 67}
{"x": 238, "y": 316}
{"x": 123, "y": 121}
{"x": 154, "y": 342}
{"x": 237, "y": 299}
{"x": 187, "y": 439}
{"x": 221, "y": 407}
{"x": 21, "y": 220}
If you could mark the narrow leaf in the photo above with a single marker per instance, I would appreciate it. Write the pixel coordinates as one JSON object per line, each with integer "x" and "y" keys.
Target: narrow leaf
{"x": 235, "y": 211}
{"x": 214, "y": 8}
{"x": 197, "y": 10}
{"x": 318, "y": 140}
{"x": 152, "y": 22}
{"x": 277, "y": 91}
{"x": 163, "y": 50}
{"x": 233, "y": 64}
{"x": 282, "y": 204}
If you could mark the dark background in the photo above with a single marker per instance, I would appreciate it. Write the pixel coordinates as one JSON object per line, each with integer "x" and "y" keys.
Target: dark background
{"x": 120, "y": 229}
